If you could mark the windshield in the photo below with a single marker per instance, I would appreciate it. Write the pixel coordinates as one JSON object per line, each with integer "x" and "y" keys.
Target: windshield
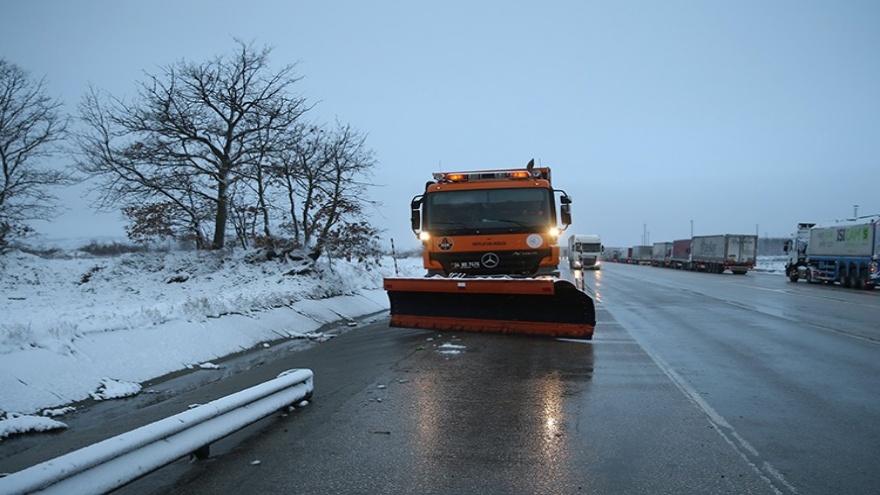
{"x": 489, "y": 209}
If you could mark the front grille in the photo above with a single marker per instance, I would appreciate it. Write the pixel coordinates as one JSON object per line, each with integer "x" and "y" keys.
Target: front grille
{"x": 509, "y": 262}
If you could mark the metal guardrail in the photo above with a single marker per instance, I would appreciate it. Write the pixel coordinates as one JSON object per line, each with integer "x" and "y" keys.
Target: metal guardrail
{"x": 112, "y": 463}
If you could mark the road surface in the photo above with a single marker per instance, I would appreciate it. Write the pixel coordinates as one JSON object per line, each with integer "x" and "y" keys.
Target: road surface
{"x": 694, "y": 383}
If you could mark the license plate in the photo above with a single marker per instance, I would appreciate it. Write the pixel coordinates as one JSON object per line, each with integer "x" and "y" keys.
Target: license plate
{"x": 464, "y": 265}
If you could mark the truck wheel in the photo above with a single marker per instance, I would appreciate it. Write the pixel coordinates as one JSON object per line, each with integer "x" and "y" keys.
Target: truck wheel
{"x": 844, "y": 277}
{"x": 855, "y": 275}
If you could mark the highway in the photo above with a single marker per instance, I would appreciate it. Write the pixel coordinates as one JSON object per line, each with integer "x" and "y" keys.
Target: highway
{"x": 694, "y": 383}
{"x": 787, "y": 371}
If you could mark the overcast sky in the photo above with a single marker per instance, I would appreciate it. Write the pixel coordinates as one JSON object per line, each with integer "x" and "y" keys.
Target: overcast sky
{"x": 733, "y": 117}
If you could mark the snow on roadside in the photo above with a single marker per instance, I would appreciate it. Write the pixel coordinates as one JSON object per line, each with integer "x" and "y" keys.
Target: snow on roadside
{"x": 83, "y": 327}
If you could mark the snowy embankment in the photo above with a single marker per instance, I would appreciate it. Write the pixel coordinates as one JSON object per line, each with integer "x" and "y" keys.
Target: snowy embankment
{"x": 84, "y": 327}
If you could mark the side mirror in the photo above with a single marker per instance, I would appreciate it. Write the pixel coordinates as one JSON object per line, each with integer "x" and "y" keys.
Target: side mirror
{"x": 565, "y": 213}
{"x": 787, "y": 246}
{"x": 415, "y": 214}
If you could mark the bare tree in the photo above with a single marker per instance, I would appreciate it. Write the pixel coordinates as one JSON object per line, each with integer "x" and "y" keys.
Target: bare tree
{"x": 300, "y": 169}
{"x": 348, "y": 168}
{"x": 190, "y": 135}
{"x": 31, "y": 127}
{"x": 325, "y": 175}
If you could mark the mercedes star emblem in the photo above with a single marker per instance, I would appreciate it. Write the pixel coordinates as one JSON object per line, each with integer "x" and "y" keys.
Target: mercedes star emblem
{"x": 490, "y": 260}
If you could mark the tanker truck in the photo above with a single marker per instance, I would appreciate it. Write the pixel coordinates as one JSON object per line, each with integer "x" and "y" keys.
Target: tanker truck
{"x": 847, "y": 253}
{"x": 490, "y": 249}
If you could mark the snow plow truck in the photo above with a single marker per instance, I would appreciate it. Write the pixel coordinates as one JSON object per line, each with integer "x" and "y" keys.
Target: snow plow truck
{"x": 490, "y": 248}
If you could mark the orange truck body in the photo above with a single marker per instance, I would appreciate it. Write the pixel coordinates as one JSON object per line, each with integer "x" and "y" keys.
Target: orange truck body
{"x": 490, "y": 249}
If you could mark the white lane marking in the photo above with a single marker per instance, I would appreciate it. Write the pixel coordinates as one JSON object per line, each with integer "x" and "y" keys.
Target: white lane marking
{"x": 750, "y": 454}
{"x": 822, "y": 297}
{"x": 597, "y": 341}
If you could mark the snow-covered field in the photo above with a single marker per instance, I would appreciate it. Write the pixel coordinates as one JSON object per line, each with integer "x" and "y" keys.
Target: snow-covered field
{"x": 82, "y": 327}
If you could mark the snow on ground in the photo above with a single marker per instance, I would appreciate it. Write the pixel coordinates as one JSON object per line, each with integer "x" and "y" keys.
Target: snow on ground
{"x": 771, "y": 264}
{"x": 81, "y": 327}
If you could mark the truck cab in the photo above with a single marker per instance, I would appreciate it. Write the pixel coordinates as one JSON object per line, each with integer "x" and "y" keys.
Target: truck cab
{"x": 491, "y": 223}
{"x": 796, "y": 249}
{"x": 585, "y": 252}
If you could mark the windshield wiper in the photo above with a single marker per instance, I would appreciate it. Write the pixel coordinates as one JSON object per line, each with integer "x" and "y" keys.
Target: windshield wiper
{"x": 456, "y": 224}
{"x": 517, "y": 222}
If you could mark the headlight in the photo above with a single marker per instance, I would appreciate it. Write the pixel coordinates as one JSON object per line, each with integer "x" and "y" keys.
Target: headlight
{"x": 424, "y": 236}
{"x": 554, "y": 231}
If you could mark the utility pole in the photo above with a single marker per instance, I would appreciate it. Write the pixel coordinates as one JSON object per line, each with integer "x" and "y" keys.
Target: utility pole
{"x": 692, "y": 229}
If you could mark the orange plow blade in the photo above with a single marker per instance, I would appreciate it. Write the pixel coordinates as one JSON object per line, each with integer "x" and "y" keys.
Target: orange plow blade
{"x": 545, "y": 307}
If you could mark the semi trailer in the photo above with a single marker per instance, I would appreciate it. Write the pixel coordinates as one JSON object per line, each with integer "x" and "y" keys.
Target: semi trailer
{"x": 717, "y": 253}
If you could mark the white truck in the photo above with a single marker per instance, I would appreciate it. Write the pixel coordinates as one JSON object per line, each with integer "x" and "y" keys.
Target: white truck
{"x": 717, "y": 253}
{"x": 847, "y": 253}
{"x": 585, "y": 252}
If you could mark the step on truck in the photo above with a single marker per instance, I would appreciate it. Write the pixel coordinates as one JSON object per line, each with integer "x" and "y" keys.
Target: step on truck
{"x": 846, "y": 253}
{"x": 490, "y": 249}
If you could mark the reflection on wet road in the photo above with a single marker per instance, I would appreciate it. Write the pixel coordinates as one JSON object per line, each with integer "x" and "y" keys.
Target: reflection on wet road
{"x": 498, "y": 414}
{"x": 694, "y": 383}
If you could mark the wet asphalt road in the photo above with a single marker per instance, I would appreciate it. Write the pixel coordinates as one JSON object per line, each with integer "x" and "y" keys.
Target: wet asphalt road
{"x": 694, "y": 383}
{"x": 789, "y": 370}
{"x": 505, "y": 415}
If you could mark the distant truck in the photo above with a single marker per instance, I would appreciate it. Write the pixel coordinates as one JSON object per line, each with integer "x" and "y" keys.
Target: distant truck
{"x": 661, "y": 254}
{"x": 717, "y": 253}
{"x": 585, "y": 252}
{"x": 615, "y": 254}
{"x": 681, "y": 254}
{"x": 641, "y": 255}
{"x": 846, "y": 253}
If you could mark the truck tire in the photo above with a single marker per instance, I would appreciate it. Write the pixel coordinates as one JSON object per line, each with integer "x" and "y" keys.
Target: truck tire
{"x": 853, "y": 278}
{"x": 852, "y": 281}
{"x": 844, "y": 277}
{"x": 861, "y": 278}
